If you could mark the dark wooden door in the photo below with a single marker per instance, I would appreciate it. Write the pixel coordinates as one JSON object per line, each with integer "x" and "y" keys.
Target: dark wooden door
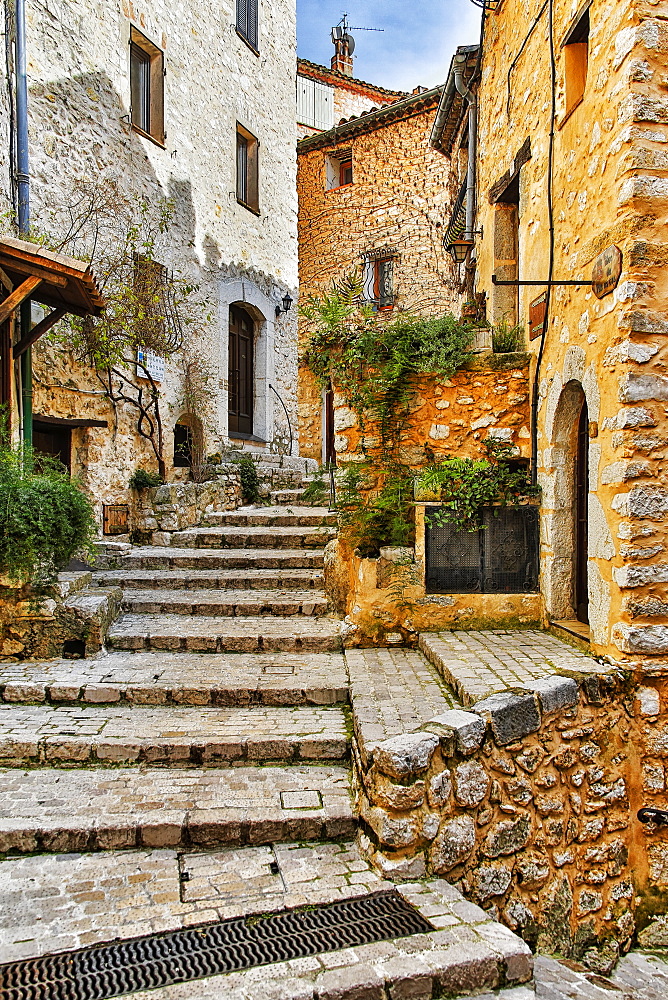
{"x": 240, "y": 372}
{"x": 582, "y": 518}
{"x": 330, "y": 450}
{"x": 54, "y": 441}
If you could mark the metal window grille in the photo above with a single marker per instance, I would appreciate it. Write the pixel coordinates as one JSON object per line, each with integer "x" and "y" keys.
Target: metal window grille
{"x": 500, "y": 558}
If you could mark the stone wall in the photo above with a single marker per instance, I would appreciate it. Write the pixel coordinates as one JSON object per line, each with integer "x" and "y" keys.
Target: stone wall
{"x": 80, "y": 136}
{"x": 399, "y": 198}
{"x": 609, "y": 188}
{"x": 522, "y": 802}
{"x": 159, "y": 511}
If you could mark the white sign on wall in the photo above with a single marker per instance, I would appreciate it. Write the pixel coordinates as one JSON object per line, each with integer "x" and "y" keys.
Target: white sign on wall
{"x": 152, "y": 362}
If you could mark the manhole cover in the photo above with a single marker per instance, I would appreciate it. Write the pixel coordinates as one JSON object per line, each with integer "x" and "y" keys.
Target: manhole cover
{"x": 193, "y": 953}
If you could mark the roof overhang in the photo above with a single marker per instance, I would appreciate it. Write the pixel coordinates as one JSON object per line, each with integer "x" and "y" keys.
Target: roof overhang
{"x": 452, "y": 107}
{"x": 63, "y": 282}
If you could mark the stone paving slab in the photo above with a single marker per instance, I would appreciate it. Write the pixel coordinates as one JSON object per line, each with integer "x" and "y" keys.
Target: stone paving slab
{"x": 202, "y": 579}
{"x": 253, "y": 537}
{"x": 283, "y": 516}
{"x": 167, "y": 557}
{"x": 60, "y": 811}
{"x": 152, "y": 678}
{"x": 393, "y": 691}
{"x": 479, "y": 664}
{"x": 107, "y": 734}
{"x": 638, "y": 976}
{"x": 57, "y": 904}
{"x": 220, "y": 635}
{"x": 229, "y": 603}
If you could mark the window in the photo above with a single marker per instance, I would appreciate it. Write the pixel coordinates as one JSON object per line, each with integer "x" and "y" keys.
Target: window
{"x": 247, "y": 21}
{"x": 576, "y": 60}
{"x": 379, "y": 278}
{"x": 339, "y": 169}
{"x": 315, "y": 103}
{"x": 247, "y": 170}
{"x": 146, "y": 87}
{"x": 500, "y": 558}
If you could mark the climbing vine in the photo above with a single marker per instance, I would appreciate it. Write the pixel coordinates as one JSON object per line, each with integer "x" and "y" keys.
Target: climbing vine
{"x": 376, "y": 363}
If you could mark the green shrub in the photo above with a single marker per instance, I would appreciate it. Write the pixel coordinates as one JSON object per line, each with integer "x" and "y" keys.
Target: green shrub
{"x": 507, "y": 339}
{"x": 250, "y": 484}
{"x": 143, "y": 480}
{"x": 45, "y": 519}
{"x": 376, "y": 510}
{"x": 317, "y": 491}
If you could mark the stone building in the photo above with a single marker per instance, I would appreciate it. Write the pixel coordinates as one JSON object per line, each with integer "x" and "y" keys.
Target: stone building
{"x": 570, "y": 181}
{"x": 326, "y": 96}
{"x": 145, "y": 102}
{"x": 372, "y": 199}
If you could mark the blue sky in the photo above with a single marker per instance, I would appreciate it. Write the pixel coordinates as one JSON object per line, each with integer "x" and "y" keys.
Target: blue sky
{"x": 414, "y": 49}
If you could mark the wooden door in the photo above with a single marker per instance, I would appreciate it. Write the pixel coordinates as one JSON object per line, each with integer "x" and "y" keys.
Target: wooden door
{"x": 330, "y": 450}
{"x": 240, "y": 372}
{"x": 582, "y": 517}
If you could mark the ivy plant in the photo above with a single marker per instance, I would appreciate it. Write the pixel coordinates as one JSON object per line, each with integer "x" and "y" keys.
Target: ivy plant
{"x": 468, "y": 485}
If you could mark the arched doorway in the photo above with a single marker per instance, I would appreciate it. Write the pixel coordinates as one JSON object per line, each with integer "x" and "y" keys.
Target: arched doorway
{"x": 581, "y": 513}
{"x": 240, "y": 372}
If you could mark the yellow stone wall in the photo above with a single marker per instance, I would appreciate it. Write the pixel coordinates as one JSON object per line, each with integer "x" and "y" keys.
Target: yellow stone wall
{"x": 609, "y": 187}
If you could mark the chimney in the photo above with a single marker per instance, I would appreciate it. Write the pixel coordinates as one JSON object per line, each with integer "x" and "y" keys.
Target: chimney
{"x": 342, "y": 61}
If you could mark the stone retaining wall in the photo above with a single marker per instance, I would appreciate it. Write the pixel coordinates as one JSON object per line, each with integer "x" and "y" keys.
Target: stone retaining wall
{"x": 523, "y": 803}
{"x": 175, "y": 506}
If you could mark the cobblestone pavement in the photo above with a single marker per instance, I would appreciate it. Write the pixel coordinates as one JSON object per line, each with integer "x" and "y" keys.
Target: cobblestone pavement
{"x": 95, "y": 809}
{"x": 156, "y": 678}
{"x": 169, "y": 735}
{"x": 394, "y": 692}
{"x": 220, "y": 635}
{"x": 478, "y": 664}
{"x": 71, "y": 901}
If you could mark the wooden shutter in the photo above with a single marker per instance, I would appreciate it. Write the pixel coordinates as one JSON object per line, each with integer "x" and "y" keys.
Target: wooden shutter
{"x": 242, "y": 17}
{"x": 323, "y": 106}
{"x": 252, "y": 32}
{"x": 305, "y": 100}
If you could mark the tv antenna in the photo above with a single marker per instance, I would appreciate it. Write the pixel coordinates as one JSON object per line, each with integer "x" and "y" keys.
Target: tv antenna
{"x": 341, "y": 33}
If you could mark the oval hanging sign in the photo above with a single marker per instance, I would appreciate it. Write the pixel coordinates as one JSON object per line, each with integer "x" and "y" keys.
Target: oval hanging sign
{"x": 606, "y": 272}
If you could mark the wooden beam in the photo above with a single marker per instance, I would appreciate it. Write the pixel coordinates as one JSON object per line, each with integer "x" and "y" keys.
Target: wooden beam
{"x": 38, "y": 331}
{"x": 45, "y": 273}
{"x": 6, "y": 280}
{"x": 19, "y": 295}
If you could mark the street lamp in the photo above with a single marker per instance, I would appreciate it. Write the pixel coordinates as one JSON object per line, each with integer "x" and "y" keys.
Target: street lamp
{"x": 460, "y": 250}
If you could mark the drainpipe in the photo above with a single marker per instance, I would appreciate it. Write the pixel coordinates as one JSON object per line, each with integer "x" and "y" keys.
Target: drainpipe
{"x": 468, "y": 95}
{"x": 23, "y": 187}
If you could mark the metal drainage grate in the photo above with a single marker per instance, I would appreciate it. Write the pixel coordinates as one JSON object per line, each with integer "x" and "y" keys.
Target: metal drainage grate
{"x": 183, "y": 955}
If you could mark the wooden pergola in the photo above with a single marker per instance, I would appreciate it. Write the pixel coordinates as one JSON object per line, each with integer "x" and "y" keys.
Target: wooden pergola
{"x": 29, "y": 272}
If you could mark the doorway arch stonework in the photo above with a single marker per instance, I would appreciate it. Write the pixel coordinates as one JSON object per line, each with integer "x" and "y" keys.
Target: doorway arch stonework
{"x": 563, "y": 400}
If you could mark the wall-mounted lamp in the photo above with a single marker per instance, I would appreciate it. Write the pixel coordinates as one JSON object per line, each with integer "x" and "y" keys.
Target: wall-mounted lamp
{"x": 460, "y": 250}
{"x": 287, "y": 303}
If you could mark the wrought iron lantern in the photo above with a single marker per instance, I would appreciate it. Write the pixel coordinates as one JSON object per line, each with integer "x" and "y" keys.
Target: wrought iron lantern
{"x": 287, "y": 303}
{"x": 460, "y": 250}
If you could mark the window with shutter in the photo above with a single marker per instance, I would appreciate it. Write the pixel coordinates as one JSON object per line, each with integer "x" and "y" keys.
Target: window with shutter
{"x": 248, "y": 193}
{"x": 247, "y": 21}
{"x": 146, "y": 87}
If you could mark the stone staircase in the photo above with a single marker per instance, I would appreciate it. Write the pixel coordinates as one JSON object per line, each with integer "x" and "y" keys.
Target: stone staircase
{"x": 200, "y": 770}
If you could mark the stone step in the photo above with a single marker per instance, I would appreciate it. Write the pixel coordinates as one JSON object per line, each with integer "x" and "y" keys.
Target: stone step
{"x": 228, "y": 603}
{"x": 58, "y": 811}
{"x": 56, "y": 904}
{"x": 220, "y": 635}
{"x": 180, "y": 679}
{"x": 282, "y": 497}
{"x": 165, "y": 557}
{"x": 204, "y": 579}
{"x": 278, "y": 515}
{"x": 33, "y": 735}
{"x": 253, "y": 537}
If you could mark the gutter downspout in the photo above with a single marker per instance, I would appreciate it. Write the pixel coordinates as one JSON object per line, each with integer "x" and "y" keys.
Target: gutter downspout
{"x": 468, "y": 95}
{"x": 23, "y": 188}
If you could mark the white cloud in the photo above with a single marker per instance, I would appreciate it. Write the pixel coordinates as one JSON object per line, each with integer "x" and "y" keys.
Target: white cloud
{"x": 414, "y": 49}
